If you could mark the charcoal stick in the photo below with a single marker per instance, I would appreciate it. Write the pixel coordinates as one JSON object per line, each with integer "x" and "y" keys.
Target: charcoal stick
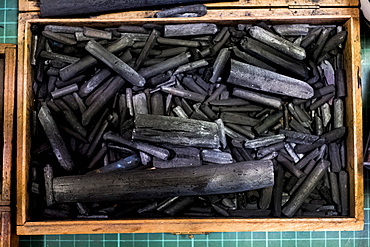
{"x": 184, "y": 181}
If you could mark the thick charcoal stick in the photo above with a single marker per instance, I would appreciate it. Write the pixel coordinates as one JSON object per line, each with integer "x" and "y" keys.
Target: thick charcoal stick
{"x": 55, "y": 138}
{"x": 336, "y": 165}
{"x": 297, "y": 137}
{"x": 241, "y": 129}
{"x": 271, "y": 56}
{"x": 72, "y": 70}
{"x": 199, "y": 9}
{"x": 71, "y": 118}
{"x": 146, "y": 49}
{"x": 97, "y": 33}
{"x": 179, "y": 205}
{"x": 340, "y": 82}
{"x": 177, "y": 131}
{"x": 266, "y": 196}
{"x": 343, "y": 188}
{"x": 252, "y": 60}
{"x": 176, "y": 42}
{"x": 258, "y": 98}
{"x": 48, "y": 176}
{"x": 53, "y": 8}
{"x": 158, "y": 152}
{"x": 334, "y": 188}
{"x": 306, "y": 171}
{"x": 253, "y": 77}
{"x": 102, "y": 99}
{"x": 184, "y": 93}
{"x": 63, "y": 29}
{"x": 191, "y": 66}
{"x": 306, "y": 188}
{"x": 58, "y": 93}
{"x": 304, "y": 161}
{"x": 277, "y": 42}
{"x": 190, "y": 83}
{"x": 219, "y": 64}
{"x": 230, "y": 117}
{"x": 263, "y": 141}
{"x": 330, "y": 136}
{"x": 185, "y": 181}
{"x": 179, "y": 30}
{"x": 290, "y": 166}
{"x": 216, "y": 93}
{"x": 59, "y": 38}
{"x": 116, "y": 64}
{"x": 59, "y": 57}
{"x": 338, "y": 113}
{"x": 184, "y": 156}
{"x": 292, "y": 29}
{"x": 94, "y": 82}
{"x": 215, "y": 156}
{"x": 166, "y": 65}
{"x": 268, "y": 122}
{"x": 277, "y": 192}
{"x": 157, "y": 103}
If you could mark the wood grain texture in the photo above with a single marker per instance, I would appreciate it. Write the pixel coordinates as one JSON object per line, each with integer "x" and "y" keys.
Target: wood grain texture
{"x": 347, "y": 16}
{"x": 9, "y": 52}
{"x": 7, "y": 236}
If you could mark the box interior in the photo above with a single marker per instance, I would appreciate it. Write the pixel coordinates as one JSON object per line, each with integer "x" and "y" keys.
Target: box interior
{"x": 354, "y": 145}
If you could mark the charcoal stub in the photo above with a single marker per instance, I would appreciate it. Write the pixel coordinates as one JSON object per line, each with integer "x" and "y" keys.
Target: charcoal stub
{"x": 189, "y": 120}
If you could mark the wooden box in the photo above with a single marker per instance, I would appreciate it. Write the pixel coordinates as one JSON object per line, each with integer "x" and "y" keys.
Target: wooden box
{"x": 348, "y": 17}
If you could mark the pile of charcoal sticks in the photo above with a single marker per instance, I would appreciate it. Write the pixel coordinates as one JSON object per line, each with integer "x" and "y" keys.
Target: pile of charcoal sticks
{"x": 194, "y": 120}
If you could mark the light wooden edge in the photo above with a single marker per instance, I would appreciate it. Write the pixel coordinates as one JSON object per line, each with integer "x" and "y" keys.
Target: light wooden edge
{"x": 177, "y": 225}
{"x": 25, "y": 5}
{"x": 276, "y": 14}
{"x": 22, "y": 124}
{"x": 183, "y": 225}
{"x": 5, "y": 237}
{"x": 355, "y": 108}
{"x": 9, "y": 50}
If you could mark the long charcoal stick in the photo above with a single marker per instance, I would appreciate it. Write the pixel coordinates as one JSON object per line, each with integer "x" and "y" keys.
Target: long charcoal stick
{"x": 80, "y": 66}
{"x": 306, "y": 188}
{"x": 166, "y": 65}
{"x": 116, "y": 64}
{"x": 177, "y": 131}
{"x": 185, "y": 181}
{"x": 158, "y": 152}
{"x": 272, "y": 56}
{"x": 258, "y": 98}
{"x": 55, "y": 138}
{"x": 102, "y": 99}
{"x": 250, "y": 76}
{"x": 277, "y": 42}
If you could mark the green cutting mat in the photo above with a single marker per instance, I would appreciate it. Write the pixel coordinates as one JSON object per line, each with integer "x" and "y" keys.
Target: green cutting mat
{"x": 8, "y": 34}
{"x": 8, "y": 21}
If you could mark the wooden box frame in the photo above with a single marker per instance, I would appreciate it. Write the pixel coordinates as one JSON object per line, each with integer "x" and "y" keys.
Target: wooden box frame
{"x": 34, "y": 5}
{"x": 9, "y": 53}
{"x": 7, "y": 236}
{"x": 349, "y": 17}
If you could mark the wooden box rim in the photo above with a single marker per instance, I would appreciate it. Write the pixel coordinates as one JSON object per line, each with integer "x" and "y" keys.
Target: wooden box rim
{"x": 355, "y": 222}
{"x": 9, "y": 53}
{"x": 34, "y": 5}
